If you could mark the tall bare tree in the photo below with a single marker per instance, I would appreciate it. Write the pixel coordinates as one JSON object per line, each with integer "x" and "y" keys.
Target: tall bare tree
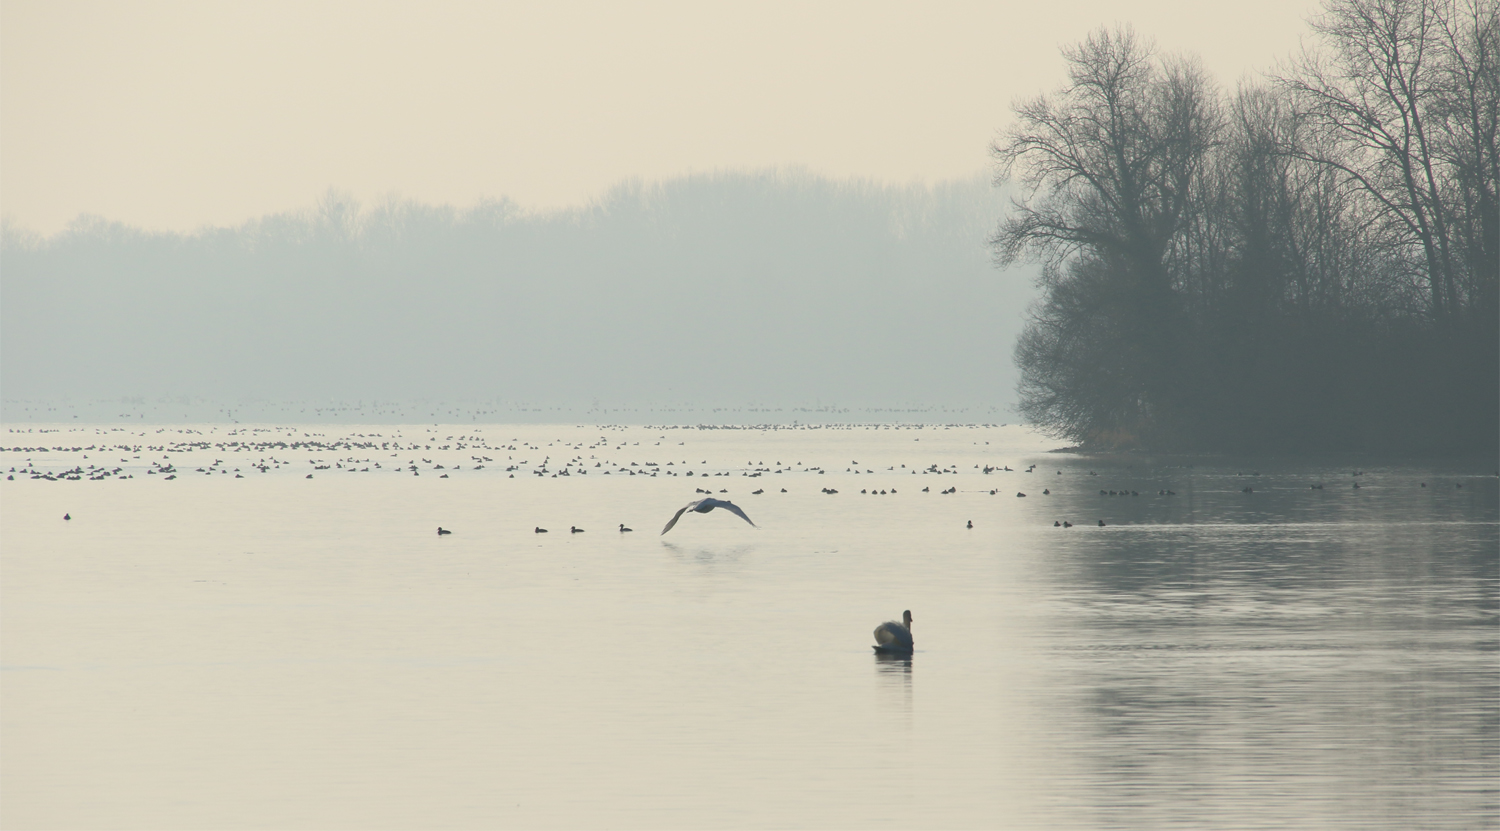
{"x": 1109, "y": 167}
{"x": 1108, "y": 160}
{"x": 1404, "y": 98}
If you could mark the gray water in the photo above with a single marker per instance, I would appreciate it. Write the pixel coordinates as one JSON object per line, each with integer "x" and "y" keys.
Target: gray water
{"x": 238, "y": 648}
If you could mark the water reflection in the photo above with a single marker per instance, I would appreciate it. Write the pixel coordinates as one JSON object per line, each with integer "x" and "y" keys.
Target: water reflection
{"x": 712, "y": 557}
{"x": 893, "y": 678}
{"x": 1287, "y": 657}
{"x": 1307, "y": 668}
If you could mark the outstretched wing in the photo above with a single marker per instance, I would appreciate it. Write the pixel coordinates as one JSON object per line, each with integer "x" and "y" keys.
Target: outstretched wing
{"x": 734, "y": 509}
{"x": 677, "y": 516}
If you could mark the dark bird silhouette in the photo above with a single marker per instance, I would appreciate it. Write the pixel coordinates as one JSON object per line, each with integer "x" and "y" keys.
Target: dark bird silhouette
{"x": 67, "y": 516}
{"x": 703, "y": 506}
{"x": 541, "y": 530}
{"x": 442, "y": 531}
{"x": 893, "y": 637}
{"x": 623, "y": 529}
{"x": 574, "y": 529}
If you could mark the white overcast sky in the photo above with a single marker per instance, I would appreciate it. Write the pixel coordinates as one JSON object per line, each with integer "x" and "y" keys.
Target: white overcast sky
{"x": 175, "y": 115}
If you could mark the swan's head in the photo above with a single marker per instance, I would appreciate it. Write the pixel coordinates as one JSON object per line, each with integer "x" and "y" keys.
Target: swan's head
{"x": 906, "y": 618}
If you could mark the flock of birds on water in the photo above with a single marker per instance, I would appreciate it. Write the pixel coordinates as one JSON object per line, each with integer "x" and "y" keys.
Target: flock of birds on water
{"x": 356, "y": 452}
{"x": 398, "y": 451}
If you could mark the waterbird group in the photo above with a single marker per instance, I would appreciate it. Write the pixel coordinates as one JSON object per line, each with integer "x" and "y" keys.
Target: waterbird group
{"x": 269, "y": 447}
{"x": 409, "y": 451}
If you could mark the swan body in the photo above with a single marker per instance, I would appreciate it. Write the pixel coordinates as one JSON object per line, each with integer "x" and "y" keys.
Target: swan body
{"x": 703, "y": 506}
{"x": 895, "y": 638}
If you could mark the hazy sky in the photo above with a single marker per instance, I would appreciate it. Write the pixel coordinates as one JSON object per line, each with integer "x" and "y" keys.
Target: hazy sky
{"x": 175, "y": 115}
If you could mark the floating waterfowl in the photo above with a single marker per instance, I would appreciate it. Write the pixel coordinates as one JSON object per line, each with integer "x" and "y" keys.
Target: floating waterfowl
{"x": 894, "y": 638}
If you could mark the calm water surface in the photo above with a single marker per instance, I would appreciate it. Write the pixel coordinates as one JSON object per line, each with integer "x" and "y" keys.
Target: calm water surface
{"x": 267, "y": 650}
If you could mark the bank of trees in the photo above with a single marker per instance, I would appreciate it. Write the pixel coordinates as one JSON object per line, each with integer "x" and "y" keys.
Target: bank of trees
{"x": 735, "y": 289}
{"x": 1307, "y": 262}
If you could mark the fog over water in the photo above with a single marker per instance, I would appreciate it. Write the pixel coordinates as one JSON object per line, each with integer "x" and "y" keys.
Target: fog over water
{"x": 768, "y": 289}
{"x": 1111, "y": 352}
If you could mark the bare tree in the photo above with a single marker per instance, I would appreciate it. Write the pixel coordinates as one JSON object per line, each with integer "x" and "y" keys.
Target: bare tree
{"x": 1467, "y": 114}
{"x": 1261, "y": 271}
{"x": 1403, "y": 98}
{"x": 1109, "y": 166}
{"x": 1108, "y": 161}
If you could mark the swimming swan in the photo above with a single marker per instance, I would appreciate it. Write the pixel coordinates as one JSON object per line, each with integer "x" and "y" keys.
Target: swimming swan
{"x": 703, "y": 506}
{"x": 895, "y": 638}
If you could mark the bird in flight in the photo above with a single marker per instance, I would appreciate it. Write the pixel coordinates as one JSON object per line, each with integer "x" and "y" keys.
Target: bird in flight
{"x": 703, "y": 506}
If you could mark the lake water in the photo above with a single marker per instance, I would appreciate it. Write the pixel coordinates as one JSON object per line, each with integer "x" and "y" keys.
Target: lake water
{"x": 247, "y": 647}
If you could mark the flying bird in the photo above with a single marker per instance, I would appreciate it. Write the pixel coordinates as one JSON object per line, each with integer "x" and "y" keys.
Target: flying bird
{"x": 703, "y": 506}
{"x": 895, "y": 638}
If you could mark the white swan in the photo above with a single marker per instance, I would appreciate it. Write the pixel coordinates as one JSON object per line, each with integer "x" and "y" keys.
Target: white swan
{"x": 893, "y": 637}
{"x": 703, "y": 506}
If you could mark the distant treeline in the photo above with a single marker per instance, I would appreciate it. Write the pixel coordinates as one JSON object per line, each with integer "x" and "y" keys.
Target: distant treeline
{"x": 1306, "y": 263}
{"x": 775, "y": 288}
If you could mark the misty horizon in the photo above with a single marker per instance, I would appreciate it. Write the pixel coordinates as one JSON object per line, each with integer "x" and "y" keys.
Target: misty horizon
{"x": 767, "y": 290}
